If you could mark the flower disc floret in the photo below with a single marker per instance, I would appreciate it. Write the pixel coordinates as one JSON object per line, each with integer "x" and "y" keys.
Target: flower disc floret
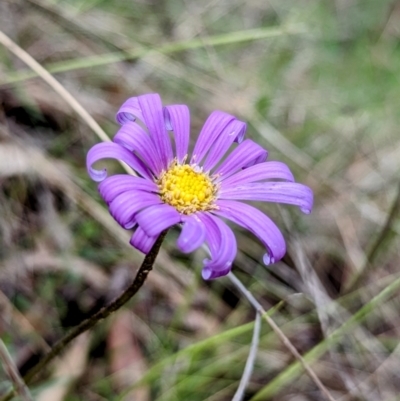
{"x": 187, "y": 189}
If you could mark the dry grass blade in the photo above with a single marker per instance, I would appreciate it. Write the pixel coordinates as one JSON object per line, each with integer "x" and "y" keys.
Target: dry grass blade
{"x": 12, "y": 372}
{"x": 46, "y": 76}
{"x": 331, "y": 315}
{"x": 383, "y": 235}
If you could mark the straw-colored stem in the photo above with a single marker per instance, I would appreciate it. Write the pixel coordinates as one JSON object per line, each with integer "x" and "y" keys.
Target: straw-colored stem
{"x": 286, "y": 342}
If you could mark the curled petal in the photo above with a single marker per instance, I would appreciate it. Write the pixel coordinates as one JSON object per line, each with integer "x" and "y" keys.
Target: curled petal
{"x": 222, "y": 244}
{"x": 281, "y": 192}
{"x": 112, "y": 150}
{"x": 141, "y": 241}
{"x": 245, "y": 155}
{"x": 129, "y": 111}
{"x": 177, "y": 119}
{"x": 157, "y": 218}
{"x": 212, "y": 128}
{"x": 256, "y": 222}
{"x": 117, "y": 184}
{"x": 192, "y": 235}
{"x": 133, "y": 137}
{"x": 125, "y": 206}
{"x": 153, "y": 116}
{"x": 259, "y": 172}
{"x": 235, "y": 130}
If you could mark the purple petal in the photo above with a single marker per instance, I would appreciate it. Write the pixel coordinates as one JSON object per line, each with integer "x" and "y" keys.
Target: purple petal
{"x": 177, "y": 119}
{"x": 129, "y": 111}
{"x": 120, "y": 183}
{"x": 192, "y": 235}
{"x": 259, "y": 172}
{"x": 153, "y": 116}
{"x": 256, "y": 222}
{"x": 222, "y": 244}
{"x": 135, "y": 138}
{"x": 141, "y": 241}
{"x": 235, "y": 129}
{"x": 281, "y": 192}
{"x": 212, "y": 128}
{"x": 112, "y": 150}
{"x": 157, "y": 218}
{"x": 245, "y": 155}
{"x": 125, "y": 206}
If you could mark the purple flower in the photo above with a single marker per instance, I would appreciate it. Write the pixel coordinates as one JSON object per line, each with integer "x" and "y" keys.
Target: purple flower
{"x": 197, "y": 192}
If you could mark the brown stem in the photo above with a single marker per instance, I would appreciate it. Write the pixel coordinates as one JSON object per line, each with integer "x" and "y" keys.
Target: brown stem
{"x": 103, "y": 313}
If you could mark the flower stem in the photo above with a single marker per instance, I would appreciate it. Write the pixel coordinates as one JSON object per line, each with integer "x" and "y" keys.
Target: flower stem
{"x": 103, "y": 313}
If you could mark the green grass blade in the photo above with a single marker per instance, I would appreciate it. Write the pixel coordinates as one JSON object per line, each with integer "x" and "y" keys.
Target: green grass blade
{"x": 109, "y": 58}
{"x": 295, "y": 369}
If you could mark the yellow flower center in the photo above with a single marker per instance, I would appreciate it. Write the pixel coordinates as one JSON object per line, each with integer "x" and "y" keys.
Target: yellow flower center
{"x": 187, "y": 190}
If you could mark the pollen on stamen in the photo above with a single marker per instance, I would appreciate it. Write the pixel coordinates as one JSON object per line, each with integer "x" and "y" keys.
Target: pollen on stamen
{"x": 187, "y": 188}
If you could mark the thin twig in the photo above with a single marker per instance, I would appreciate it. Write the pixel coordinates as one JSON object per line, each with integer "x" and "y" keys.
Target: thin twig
{"x": 103, "y": 313}
{"x": 248, "y": 369}
{"x": 13, "y": 374}
{"x": 287, "y": 343}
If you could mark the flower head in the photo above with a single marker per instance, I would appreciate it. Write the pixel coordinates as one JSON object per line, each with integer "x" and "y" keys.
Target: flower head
{"x": 197, "y": 192}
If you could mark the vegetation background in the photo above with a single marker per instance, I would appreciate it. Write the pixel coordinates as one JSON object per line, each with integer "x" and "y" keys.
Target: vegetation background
{"x": 318, "y": 83}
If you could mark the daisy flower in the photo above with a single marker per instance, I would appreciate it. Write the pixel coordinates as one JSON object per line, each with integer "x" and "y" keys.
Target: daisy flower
{"x": 200, "y": 191}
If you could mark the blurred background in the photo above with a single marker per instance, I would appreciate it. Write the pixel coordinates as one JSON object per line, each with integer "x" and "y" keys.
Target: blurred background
{"x": 318, "y": 83}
